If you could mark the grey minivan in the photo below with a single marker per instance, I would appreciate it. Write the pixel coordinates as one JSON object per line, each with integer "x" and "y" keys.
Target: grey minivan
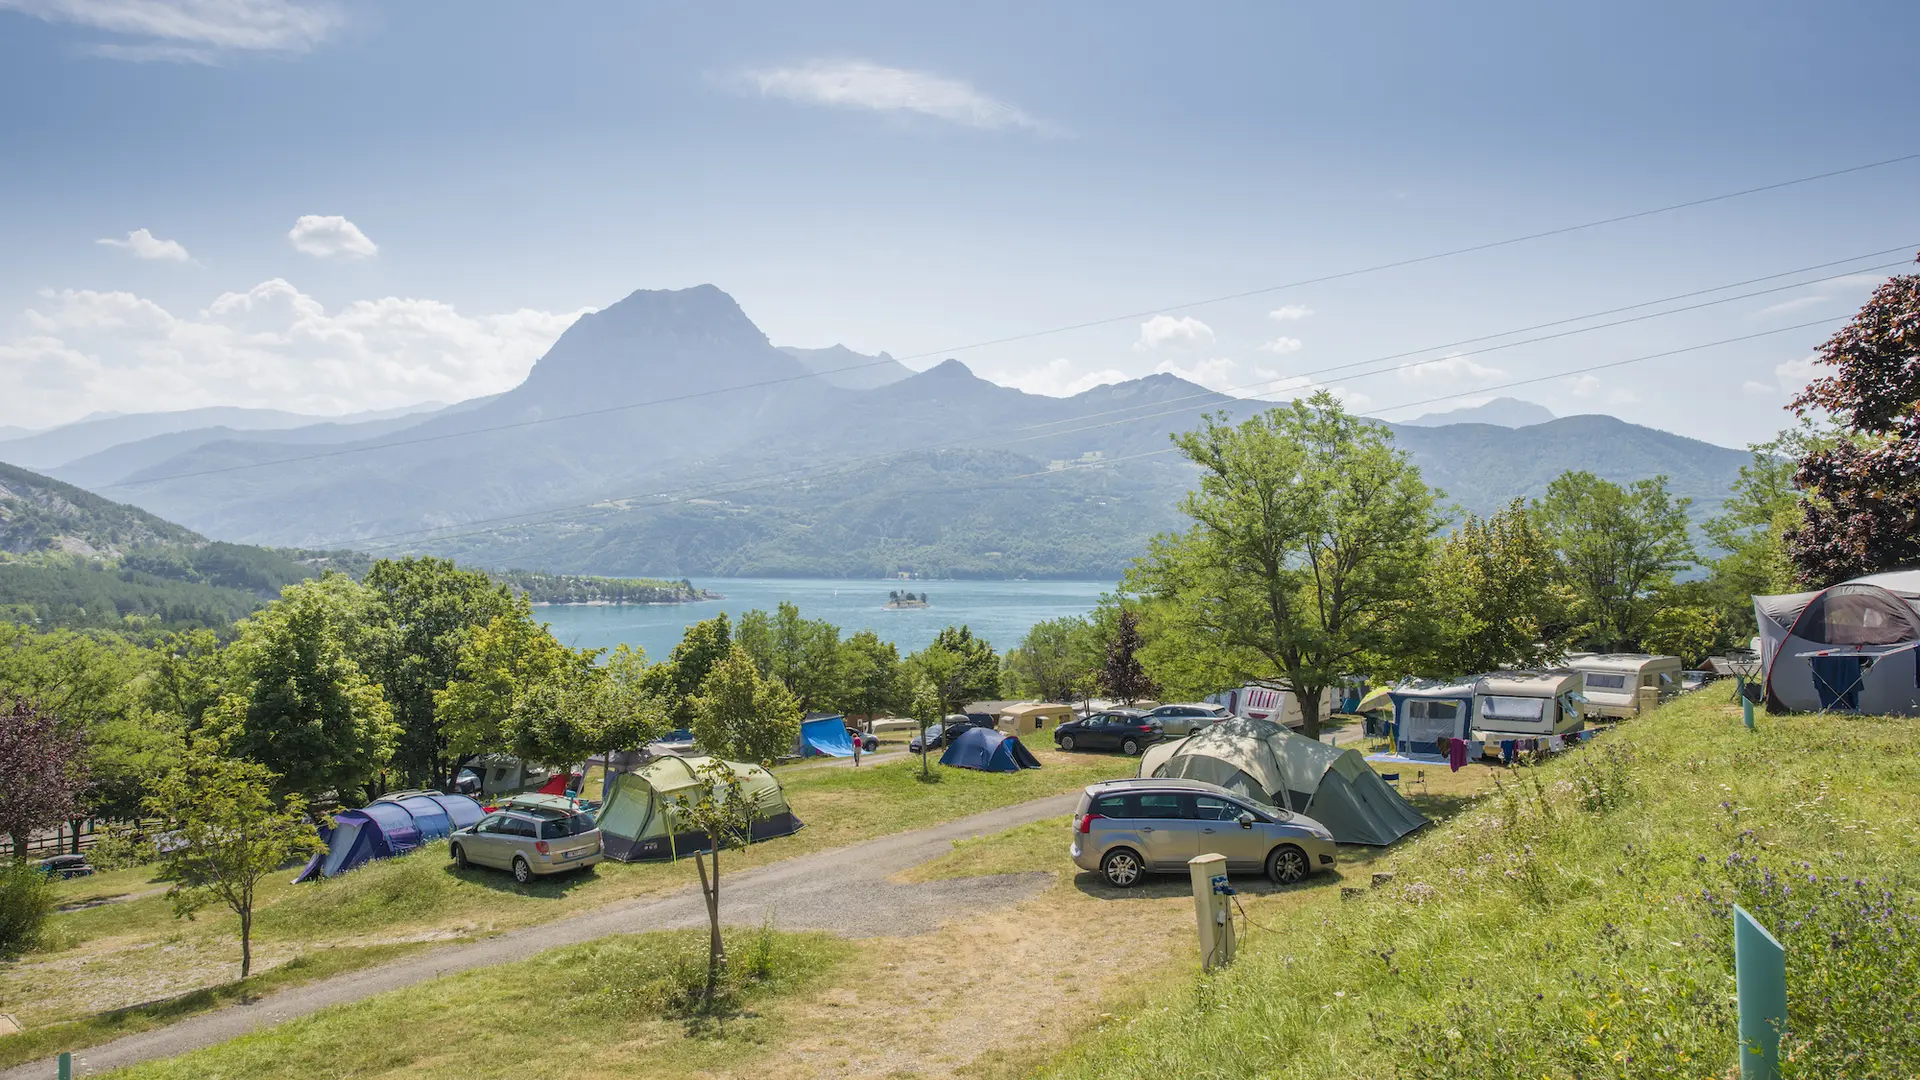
{"x": 528, "y": 842}
{"x": 1125, "y": 829}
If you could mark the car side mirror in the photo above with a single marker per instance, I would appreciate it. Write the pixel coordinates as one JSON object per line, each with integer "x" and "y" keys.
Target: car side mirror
{"x": 1245, "y": 819}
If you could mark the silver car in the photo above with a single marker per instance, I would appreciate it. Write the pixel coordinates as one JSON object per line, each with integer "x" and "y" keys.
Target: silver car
{"x": 528, "y": 842}
{"x": 1181, "y": 720}
{"x": 1124, "y": 829}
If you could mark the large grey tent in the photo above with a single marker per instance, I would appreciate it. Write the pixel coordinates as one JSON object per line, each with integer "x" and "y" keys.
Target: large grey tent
{"x": 1267, "y": 763}
{"x": 641, "y": 820}
{"x": 1849, "y": 648}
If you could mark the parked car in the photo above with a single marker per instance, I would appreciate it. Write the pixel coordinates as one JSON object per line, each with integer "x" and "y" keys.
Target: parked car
{"x": 1126, "y": 829}
{"x": 1126, "y": 730}
{"x": 936, "y": 737}
{"x": 529, "y": 842}
{"x": 1181, "y": 720}
{"x": 65, "y": 866}
{"x": 867, "y": 741}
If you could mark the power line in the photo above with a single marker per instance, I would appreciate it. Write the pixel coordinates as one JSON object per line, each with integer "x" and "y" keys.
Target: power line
{"x": 1341, "y": 275}
{"x": 1375, "y": 414}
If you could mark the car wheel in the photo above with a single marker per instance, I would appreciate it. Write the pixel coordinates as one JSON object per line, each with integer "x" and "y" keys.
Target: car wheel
{"x": 1066, "y": 742}
{"x": 1122, "y": 868}
{"x": 460, "y": 858}
{"x": 1288, "y": 865}
{"x": 1131, "y": 747}
{"x": 523, "y": 873}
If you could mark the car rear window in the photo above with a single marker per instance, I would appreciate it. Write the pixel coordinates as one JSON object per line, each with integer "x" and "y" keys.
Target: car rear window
{"x": 560, "y": 828}
{"x": 1141, "y": 804}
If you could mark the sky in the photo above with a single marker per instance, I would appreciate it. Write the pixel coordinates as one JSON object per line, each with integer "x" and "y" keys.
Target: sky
{"x": 331, "y": 206}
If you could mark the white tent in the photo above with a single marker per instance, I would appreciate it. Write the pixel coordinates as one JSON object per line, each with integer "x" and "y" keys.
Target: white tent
{"x": 1851, "y": 647}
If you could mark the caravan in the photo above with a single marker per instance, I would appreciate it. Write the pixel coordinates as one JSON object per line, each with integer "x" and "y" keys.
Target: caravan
{"x": 1613, "y": 681}
{"x": 1255, "y": 702}
{"x": 1522, "y": 706}
{"x": 1426, "y": 711}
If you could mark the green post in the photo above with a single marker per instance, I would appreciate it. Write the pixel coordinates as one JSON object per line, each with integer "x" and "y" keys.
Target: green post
{"x": 1746, "y": 711}
{"x": 1760, "y": 976}
{"x": 66, "y": 1065}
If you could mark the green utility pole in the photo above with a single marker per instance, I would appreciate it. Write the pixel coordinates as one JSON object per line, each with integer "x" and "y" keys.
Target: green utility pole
{"x": 1760, "y": 976}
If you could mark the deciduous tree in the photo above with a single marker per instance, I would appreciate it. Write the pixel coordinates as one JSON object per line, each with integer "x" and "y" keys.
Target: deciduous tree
{"x": 726, "y": 814}
{"x": 1616, "y": 549}
{"x": 962, "y": 667}
{"x": 926, "y": 708}
{"x": 1311, "y": 537}
{"x": 226, "y": 835}
{"x": 1121, "y": 675}
{"x": 1864, "y": 512}
{"x": 44, "y": 772}
{"x": 677, "y": 681}
{"x": 1494, "y": 601}
{"x": 501, "y": 663}
{"x": 871, "y": 681}
{"x": 1054, "y": 661}
{"x": 742, "y": 715}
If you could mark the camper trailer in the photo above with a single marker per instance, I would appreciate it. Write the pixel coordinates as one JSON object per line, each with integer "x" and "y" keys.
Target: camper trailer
{"x": 1614, "y": 681}
{"x": 1425, "y": 712}
{"x": 1033, "y": 716}
{"x": 1267, "y": 703}
{"x": 1516, "y": 705}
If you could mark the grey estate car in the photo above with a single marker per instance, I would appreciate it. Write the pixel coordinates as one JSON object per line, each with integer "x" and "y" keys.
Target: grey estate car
{"x": 1124, "y": 829}
{"x": 528, "y": 842}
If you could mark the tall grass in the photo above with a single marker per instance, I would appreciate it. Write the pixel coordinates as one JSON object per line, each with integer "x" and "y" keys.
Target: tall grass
{"x": 1577, "y": 924}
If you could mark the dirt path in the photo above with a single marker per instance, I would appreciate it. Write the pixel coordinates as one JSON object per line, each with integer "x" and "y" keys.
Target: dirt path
{"x": 804, "y": 893}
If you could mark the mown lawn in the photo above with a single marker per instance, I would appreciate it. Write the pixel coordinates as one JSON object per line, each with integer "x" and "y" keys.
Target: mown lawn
{"x": 133, "y": 953}
{"x": 1577, "y": 924}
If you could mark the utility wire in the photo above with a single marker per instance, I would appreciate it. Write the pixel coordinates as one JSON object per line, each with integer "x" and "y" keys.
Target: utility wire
{"x": 1341, "y": 275}
{"x": 1375, "y": 414}
{"x": 1207, "y": 398}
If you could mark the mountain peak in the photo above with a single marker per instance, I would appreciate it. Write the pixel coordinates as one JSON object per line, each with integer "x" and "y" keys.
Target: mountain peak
{"x": 1501, "y": 412}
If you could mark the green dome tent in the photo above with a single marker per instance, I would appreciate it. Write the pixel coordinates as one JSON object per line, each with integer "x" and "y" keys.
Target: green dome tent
{"x": 1267, "y": 763}
{"x": 639, "y": 821}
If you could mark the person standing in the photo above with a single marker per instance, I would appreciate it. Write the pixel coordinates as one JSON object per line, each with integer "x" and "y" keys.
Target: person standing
{"x": 857, "y": 736}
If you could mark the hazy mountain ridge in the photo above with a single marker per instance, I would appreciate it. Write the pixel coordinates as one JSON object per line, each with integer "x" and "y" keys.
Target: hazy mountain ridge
{"x": 723, "y": 472}
{"x": 1502, "y": 412}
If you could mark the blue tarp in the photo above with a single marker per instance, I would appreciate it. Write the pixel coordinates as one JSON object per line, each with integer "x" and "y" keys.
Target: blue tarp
{"x": 387, "y": 827}
{"x": 989, "y": 751}
{"x": 825, "y": 735}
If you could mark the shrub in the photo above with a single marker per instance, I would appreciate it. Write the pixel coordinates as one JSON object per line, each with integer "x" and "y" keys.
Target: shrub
{"x": 26, "y": 903}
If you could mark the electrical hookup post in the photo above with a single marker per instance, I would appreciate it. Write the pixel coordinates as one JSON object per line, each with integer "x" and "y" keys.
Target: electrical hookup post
{"x": 1760, "y": 977}
{"x": 1212, "y": 910}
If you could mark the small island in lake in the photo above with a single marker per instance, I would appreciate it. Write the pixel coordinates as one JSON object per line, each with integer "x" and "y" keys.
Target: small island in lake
{"x": 543, "y": 589}
{"x": 897, "y": 599}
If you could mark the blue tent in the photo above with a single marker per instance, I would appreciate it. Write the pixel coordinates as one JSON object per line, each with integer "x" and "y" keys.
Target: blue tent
{"x": 388, "y": 826}
{"x": 824, "y": 735}
{"x": 989, "y": 751}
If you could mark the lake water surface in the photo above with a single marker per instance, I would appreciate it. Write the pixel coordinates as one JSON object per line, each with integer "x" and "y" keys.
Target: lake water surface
{"x": 1000, "y": 611}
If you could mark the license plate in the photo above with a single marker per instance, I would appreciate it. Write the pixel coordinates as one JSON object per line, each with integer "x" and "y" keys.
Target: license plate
{"x": 575, "y": 854}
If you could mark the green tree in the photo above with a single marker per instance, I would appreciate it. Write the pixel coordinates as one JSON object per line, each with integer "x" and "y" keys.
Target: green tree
{"x": 870, "y": 673}
{"x": 962, "y": 667}
{"x": 423, "y": 612}
{"x": 227, "y": 835}
{"x": 927, "y": 709}
{"x": 126, "y": 756}
{"x": 1494, "y": 601}
{"x": 1617, "y": 549}
{"x": 188, "y": 672}
{"x": 296, "y": 702}
{"x": 1310, "y": 541}
{"x": 1054, "y": 661}
{"x": 802, "y": 653}
{"x": 726, "y": 814}
{"x": 1121, "y": 675}
{"x": 744, "y": 716}
{"x": 501, "y": 663}
{"x": 677, "y": 681}
{"x": 45, "y": 771}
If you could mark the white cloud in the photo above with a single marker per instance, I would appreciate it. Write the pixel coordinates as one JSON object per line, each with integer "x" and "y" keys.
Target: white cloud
{"x": 1583, "y": 386}
{"x": 1284, "y": 345}
{"x": 859, "y": 84}
{"x": 191, "y": 30}
{"x": 1057, "y": 378}
{"x": 1753, "y": 387}
{"x": 1794, "y": 375}
{"x": 1455, "y": 368}
{"x": 271, "y": 346}
{"x": 1184, "y": 332}
{"x": 1290, "y": 313}
{"x": 142, "y": 244}
{"x": 1849, "y": 288}
{"x": 329, "y": 235}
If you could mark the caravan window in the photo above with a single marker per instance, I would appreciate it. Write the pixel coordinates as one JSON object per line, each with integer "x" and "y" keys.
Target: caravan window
{"x": 1433, "y": 710}
{"x": 1606, "y": 682}
{"x": 1513, "y": 708}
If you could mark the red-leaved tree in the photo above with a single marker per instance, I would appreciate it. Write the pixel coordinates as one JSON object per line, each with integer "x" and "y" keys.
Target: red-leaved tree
{"x": 43, "y": 775}
{"x": 1863, "y": 510}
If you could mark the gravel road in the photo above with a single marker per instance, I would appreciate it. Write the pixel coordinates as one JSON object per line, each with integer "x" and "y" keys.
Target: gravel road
{"x": 808, "y": 892}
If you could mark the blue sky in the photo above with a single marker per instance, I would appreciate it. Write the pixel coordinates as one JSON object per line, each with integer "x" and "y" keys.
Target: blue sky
{"x": 356, "y": 206}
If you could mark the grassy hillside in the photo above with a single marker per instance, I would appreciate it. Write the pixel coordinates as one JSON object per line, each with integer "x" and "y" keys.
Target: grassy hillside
{"x": 41, "y": 515}
{"x": 1577, "y": 924}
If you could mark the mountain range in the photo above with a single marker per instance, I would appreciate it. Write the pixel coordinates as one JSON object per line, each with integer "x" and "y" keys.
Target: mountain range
{"x": 1500, "y": 412}
{"x": 666, "y": 435}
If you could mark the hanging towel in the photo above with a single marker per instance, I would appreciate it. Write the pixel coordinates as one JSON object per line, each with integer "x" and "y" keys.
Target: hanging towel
{"x": 1456, "y": 754}
{"x": 1506, "y": 751}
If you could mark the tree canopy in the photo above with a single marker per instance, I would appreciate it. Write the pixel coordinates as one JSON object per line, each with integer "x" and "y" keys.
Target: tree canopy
{"x": 1617, "y": 550}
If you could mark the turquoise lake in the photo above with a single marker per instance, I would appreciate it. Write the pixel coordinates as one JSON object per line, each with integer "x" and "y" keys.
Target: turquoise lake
{"x": 1000, "y": 611}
